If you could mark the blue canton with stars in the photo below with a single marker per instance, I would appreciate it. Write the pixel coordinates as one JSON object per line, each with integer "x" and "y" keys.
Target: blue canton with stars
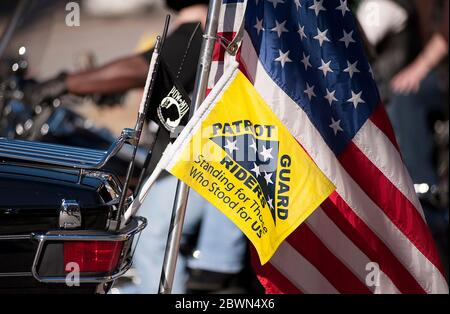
{"x": 311, "y": 49}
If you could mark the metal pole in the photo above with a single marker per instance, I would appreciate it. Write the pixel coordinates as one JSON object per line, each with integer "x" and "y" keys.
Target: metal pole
{"x": 143, "y": 112}
{"x": 181, "y": 197}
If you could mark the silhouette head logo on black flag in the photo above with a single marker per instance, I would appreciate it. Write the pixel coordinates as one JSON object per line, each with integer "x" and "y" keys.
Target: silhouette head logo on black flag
{"x": 170, "y": 104}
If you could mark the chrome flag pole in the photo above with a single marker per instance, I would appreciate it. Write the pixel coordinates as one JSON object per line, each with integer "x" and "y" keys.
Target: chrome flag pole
{"x": 182, "y": 193}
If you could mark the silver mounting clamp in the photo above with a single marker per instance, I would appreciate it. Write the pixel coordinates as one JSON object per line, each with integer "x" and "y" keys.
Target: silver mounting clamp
{"x": 69, "y": 215}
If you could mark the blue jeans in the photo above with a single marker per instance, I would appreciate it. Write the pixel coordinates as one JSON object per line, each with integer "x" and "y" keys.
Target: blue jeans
{"x": 220, "y": 247}
{"x": 409, "y": 115}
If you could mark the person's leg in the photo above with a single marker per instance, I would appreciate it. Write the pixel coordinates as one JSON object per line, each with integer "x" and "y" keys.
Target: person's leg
{"x": 409, "y": 115}
{"x": 410, "y": 119}
{"x": 219, "y": 257}
{"x": 221, "y": 245}
{"x": 149, "y": 256}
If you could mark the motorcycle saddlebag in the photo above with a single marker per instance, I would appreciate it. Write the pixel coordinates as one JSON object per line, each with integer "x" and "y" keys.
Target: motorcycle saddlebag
{"x": 58, "y": 220}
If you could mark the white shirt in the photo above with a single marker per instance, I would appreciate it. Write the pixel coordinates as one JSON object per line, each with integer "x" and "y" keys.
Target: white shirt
{"x": 379, "y": 18}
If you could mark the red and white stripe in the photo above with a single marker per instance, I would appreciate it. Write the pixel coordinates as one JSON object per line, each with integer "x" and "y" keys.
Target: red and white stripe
{"x": 373, "y": 217}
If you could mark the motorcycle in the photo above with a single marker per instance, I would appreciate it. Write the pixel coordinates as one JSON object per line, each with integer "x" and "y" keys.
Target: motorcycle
{"x": 56, "y": 121}
{"x": 61, "y": 227}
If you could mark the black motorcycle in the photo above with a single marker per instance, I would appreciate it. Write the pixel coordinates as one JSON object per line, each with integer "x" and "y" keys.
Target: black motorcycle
{"x": 60, "y": 226}
{"x": 61, "y": 182}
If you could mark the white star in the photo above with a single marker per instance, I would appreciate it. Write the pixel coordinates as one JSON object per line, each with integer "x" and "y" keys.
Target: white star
{"x": 275, "y": 2}
{"x": 325, "y": 68}
{"x": 301, "y": 31}
{"x": 321, "y": 36}
{"x": 330, "y": 96}
{"x": 336, "y": 126}
{"x": 343, "y": 7}
{"x": 317, "y": 6}
{"x": 268, "y": 177}
{"x": 310, "y": 91}
{"x": 298, "y": 4}
{"x": 306, "y": 62}
{"x": 279, "y": 28}
{"x": 283, "y": 58}
{"x": 256, "y": 170}
{"x": 266, "y": 153}
{"x": 231, "y": 146}
{"x": 347, "y": 39}
{"x": 356, "y": 99}
{"x": 351, "y": 69}
{"x": 259, "y": 25}
{"x": 254, "y": 146}
{"x": 270, "y": 202}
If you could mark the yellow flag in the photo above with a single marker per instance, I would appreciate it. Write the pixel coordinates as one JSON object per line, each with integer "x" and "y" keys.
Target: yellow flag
{"x": 240, "y": 157}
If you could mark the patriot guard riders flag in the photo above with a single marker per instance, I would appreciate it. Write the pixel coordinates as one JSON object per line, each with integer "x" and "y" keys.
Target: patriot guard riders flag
{"x": 240, "y": 157}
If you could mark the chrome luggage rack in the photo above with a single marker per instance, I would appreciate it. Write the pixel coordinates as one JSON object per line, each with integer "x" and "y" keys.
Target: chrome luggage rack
{"x": 62, "y": 156}
{"x": 128, "y": 233}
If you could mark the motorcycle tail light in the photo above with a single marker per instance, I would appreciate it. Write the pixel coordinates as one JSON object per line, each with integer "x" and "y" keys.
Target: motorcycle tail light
{"x": 92, "y": 256}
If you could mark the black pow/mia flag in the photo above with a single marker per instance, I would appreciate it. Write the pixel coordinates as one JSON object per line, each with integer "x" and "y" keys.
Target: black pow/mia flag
{"x": 170, "y": 108}
{"x": 169, "y": 105}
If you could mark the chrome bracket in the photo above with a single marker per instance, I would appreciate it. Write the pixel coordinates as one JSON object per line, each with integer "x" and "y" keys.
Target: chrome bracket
{"x": 69, "y": 215}
{"x": 230, "y": 46}
{"x": 130, "y": 136}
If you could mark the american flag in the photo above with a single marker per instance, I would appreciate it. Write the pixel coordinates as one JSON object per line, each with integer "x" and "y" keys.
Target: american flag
{"x": 306, "y": 60}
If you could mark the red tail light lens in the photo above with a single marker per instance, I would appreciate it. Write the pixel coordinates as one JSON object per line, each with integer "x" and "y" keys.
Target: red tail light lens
{"x": 93, "y": 256}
